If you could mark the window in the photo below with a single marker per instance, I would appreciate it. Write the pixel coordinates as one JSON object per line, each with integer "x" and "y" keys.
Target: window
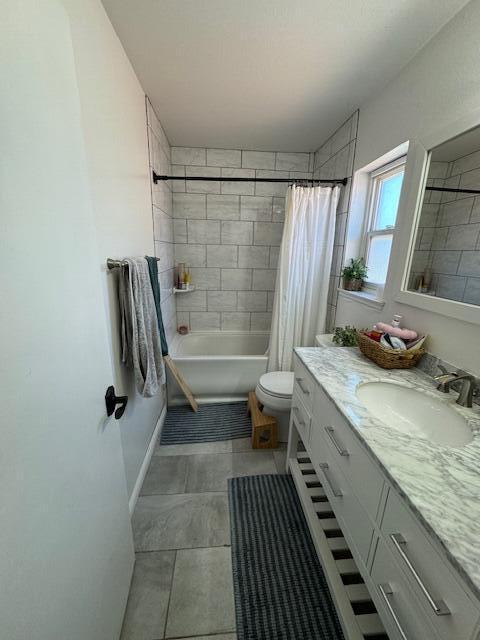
{"x": 384, "y": 195}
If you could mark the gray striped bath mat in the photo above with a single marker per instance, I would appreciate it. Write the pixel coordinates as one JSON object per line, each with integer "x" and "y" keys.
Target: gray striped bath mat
{"x": 212, "y": 422}
{"x": 280, "y": 589}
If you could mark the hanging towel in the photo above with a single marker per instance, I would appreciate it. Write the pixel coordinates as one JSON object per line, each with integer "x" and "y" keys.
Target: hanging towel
{"x": 153, "y": 271}
{"x": 141, "y": 346}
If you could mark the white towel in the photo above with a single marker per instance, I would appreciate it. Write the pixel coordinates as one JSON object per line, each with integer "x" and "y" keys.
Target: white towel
{"x": 140, "y": 336}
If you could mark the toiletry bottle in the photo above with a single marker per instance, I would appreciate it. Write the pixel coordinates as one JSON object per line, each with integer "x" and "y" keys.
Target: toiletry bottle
{"x": 396, "y": 320}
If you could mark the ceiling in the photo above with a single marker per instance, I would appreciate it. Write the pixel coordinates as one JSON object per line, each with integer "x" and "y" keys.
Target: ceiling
{"x": 268, "y": 74}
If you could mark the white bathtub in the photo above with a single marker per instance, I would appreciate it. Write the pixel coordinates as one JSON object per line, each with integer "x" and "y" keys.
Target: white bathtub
{"x": 218, "y": 366}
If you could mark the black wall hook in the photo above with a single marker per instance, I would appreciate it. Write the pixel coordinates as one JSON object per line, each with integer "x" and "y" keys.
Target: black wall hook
{"x": 111, "y": 401}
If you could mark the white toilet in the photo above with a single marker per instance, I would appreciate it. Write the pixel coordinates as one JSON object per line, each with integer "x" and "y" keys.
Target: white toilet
{"x": 274, "y": 390}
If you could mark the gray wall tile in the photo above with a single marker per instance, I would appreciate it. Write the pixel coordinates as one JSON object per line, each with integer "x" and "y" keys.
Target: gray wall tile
{"x": 205, "y": 278}
{"x": 253, "y": 256}
{"x": 189, "y": 205}
{"x": 204, "y": 321}
{"x": 215, "y": 228}
{"x": 252, "y": 300}
{"x": 271, "y": 188}
{"x": 462, "y": 237}
{"x": 164, "y": 252}
{"x": 192, "y": 301}
{"x": 451, "y": 287}
{"x": 260, "y": 321}
{"x": 236, "y": 279}
{"x": 258, "y": 160}
{"x": 238, "y": 188}
{"x": 180, "y": 230}
{"x": 222, "y": 256}
{"x": 223, "y": 207}
{"x": 202, "y": 186}
{"x": 224, "y": 158}
{"x": 445, "y": 261}
{"x": 264, "y": 279}
{"x": 278, "y": 209}
{"x": 472, "y": 291}
{"x": 222, "y": 300}
{"x": 188, "y": 155}
{"x": 256, "y": 208}
{"x": 236, "y": 232}
{"x": 456, "y": 212}
{"x": 268, "y": 233}
{"x": 203, "y": 231}
{"x": 194, "y": 255}
{"x": 273, "y": 263}
{"x": 178, "y": 185}
{"x": 469, "y": 263}
{"x": 292, "y": 161}
{"x": 162, "y": 226}
{"x": 237, "y": 321}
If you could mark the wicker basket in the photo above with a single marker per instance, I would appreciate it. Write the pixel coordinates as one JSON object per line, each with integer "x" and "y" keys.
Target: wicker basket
{"x": 388, "y": 358}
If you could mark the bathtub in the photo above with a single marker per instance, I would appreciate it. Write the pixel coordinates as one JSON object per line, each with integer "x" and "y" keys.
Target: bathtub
{"x": 218, "y": 366}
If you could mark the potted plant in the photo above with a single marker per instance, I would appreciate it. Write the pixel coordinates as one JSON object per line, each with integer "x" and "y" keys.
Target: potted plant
{"x": 345, "y": 336}
{"x": 354, "y": 274}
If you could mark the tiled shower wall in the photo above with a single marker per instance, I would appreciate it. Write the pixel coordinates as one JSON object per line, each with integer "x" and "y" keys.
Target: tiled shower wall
{"x": 448, "y": 238}
{"x": 335, "y": 159}
{"x": 229, "y": 234}
{"x": 162, "y": 212}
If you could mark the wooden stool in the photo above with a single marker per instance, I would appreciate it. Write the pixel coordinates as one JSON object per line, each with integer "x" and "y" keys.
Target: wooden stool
{"x": 264, "y": 428}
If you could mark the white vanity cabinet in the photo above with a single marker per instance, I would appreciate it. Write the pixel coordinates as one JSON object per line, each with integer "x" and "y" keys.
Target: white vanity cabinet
{"x": 418, "y": 593}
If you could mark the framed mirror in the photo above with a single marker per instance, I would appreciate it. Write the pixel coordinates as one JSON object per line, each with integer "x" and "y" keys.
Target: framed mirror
{"x": 441, "y": 230}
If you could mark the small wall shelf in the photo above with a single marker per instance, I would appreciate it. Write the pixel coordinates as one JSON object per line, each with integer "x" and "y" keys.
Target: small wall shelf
{"x": 190, "y": 288}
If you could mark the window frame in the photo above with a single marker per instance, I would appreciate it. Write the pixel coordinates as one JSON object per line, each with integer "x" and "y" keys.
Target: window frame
{"x": 384, "y": 172}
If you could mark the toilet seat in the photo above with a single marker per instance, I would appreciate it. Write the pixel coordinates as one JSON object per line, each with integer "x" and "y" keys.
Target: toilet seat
{"x": 277, "y": 384}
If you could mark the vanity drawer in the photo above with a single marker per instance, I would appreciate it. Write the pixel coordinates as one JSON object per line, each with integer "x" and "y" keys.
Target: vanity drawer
{"x": 354, "y": 522}
{"x": 349, "y": 454}
{"x": 304, "y": 384}
{"x": 300, "y": 417}
{"x": 432, "y": 581}
{"x": 393, "y": 599}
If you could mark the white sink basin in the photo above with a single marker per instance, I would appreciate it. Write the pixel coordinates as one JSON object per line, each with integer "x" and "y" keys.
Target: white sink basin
{"x": 415, "y": 413}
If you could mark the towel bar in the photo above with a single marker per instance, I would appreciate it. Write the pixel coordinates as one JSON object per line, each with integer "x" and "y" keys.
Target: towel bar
{"x": 113, "y": 264}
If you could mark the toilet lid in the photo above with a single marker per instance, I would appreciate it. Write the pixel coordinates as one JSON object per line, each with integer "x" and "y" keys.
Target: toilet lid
{"x": 277, "y": 383}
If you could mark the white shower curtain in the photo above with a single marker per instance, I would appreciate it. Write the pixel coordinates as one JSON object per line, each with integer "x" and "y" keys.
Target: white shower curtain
{"x": 301, "y": 290}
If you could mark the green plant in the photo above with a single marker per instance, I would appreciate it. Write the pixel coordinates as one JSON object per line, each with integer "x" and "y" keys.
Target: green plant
{"x": 356, "y": 270}
{"x": 345, "y": 336}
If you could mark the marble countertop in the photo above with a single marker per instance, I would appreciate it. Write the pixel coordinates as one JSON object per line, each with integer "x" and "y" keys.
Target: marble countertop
{"x": 441, "y": 484}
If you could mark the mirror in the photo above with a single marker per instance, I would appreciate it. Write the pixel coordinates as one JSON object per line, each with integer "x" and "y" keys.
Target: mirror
{"x": 446, "y": 258}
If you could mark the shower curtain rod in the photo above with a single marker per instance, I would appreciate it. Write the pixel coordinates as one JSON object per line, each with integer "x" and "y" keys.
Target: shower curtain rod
{"x": 157, "y": 178}
{"x": 451, "y": 190}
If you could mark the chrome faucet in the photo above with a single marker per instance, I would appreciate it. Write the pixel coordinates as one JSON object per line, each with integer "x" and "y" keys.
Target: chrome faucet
{"x": 465, "y": 396}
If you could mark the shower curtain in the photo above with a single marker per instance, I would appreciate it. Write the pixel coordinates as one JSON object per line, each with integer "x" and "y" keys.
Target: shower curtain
{"x": 301, "y": 289}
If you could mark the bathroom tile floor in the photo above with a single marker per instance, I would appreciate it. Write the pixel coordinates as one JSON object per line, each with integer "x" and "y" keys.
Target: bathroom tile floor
{"x": 182, "y": 585}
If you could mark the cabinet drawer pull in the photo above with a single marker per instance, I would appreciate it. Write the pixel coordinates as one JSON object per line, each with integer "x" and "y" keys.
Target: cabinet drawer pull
{"x": 296, "y": 411}
{"x": 438, "y": 606}
{"x": 302, "y": 388}
{"x": 385, "y": 591}
{"x": 338, "y": 493}
{"x": 341, "y": 450}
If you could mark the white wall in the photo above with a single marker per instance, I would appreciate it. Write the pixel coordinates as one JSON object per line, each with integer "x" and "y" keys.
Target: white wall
{"x": 440, "y": 85}
{"x": 114, "y": 124}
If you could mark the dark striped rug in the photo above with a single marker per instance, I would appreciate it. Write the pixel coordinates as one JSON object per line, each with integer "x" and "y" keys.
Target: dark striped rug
{"x": 280, "y": 589}
{"x": 212, "y": 422}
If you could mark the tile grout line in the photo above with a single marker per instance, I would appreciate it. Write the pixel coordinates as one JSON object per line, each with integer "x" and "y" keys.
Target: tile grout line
{"x": 169, "y": 595}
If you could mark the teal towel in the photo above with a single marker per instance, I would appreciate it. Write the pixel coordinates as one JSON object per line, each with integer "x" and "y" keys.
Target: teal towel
{"x": 153, "y": 272}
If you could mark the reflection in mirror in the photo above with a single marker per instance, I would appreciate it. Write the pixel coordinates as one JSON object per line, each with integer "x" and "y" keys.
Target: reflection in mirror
{"x": 446, "y": 258}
